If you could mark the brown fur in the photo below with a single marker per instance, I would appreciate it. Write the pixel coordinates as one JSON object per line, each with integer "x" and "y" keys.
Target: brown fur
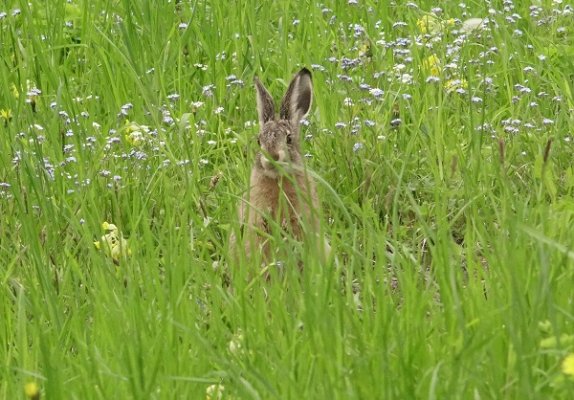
{"x": 281, "y": 194}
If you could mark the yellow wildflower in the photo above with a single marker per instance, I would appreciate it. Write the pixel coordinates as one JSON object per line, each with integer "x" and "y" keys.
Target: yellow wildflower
{"x": 432, "y": 25}
{"x": 134, "y": 133}
{"x": 455, "y": 84}
{"x": 6, "y": 115}
{"x": 214, "y": 392}
{"x": 365, "y": 50}
{"x": 15, "y": 91}
{"x": 235, "y": 345}
{"x": 568, "y": 365}
{"x": 552, "y": 341}
{"x": 134, "y": 138}
{"x": 32, "y": 390}
{"x": 432, "y": 65}
{"x": 113, "y": 243}
{"x": 449, "y": 23}
{"x": 429, "y": 24}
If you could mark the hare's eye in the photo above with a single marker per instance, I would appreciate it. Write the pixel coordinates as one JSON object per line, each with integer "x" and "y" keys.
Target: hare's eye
{"x": 289, "y": 139}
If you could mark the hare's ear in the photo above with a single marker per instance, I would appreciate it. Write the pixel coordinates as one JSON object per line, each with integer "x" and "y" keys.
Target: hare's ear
{"x": 297, "y": 101}
{"x": 265, "y": 105}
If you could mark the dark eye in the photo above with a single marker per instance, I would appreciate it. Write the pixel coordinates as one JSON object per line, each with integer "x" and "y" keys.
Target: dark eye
{"x": 289, "y": 139}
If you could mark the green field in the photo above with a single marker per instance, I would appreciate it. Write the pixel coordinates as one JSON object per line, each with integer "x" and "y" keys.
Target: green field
{"x": 443, "y": 154}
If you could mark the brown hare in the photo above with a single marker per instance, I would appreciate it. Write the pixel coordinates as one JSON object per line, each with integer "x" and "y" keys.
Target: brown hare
{"x": 282, "y": 196}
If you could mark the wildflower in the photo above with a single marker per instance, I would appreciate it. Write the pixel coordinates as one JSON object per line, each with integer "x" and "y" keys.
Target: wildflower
{"x": 406, "y": 79}
{"x": 195, "y": 105}
{"x": 207, "y": 90}
{"x": 235, "y": 345}
{"x": 214, "y": 392}
{"x": 453, "y": 85}
{"x": 365, "y": 49}
{"x": 429, "y": 24}
{"x": 134, "y": 133}
{"x": 568, "y": 365}
{"x": 173, "y": 97}
{"x": 552, "y": 341}
{"x": 200, "y": 66}
{"x": 6, "y": 115}
{"x": 376, "y": 92}
{"x": 547, "y": 121}
{"x": 32, "y": 391}
{"x": 124, "y": 110}
{"x": 32, "y": 94}
{"x": 114, "y": 243}
{"x": 15, "y": 91}
{"x": 167, "y": 118}
{"x": 318, "y": 67}
{"x": 432, "y": 65}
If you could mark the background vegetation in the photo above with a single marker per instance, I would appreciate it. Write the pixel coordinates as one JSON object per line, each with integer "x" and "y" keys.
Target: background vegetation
{"x": 444, "y": 148}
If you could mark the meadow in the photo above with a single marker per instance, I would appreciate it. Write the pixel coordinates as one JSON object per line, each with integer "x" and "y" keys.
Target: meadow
{"x": 442, "y": 146}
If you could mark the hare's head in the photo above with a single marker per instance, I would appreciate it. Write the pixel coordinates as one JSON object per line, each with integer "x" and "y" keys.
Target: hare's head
{"x": 279, "y": 137}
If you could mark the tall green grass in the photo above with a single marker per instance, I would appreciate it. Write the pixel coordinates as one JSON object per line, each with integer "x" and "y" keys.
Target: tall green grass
{"x": 450, "y": 212}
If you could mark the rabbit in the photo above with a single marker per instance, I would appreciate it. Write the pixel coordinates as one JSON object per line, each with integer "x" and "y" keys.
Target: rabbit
{"x": 281, "y": 193}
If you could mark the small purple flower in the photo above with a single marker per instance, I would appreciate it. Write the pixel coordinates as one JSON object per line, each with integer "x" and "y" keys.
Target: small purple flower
{"x": 358, "y": 146}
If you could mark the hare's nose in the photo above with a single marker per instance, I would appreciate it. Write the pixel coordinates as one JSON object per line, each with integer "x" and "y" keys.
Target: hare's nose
{"x": 279, "y": 156}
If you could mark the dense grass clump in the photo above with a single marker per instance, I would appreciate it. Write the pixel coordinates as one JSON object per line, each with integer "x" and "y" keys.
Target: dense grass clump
{"x": 442, "y": 147}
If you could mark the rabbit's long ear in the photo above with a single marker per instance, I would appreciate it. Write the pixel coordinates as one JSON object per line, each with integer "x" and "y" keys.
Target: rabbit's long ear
{"x": 265, "y": 105}
{"x": 297, "y": 101}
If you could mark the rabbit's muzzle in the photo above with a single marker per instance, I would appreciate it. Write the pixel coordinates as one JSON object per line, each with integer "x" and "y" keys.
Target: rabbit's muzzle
{"x": 274, "y": 162}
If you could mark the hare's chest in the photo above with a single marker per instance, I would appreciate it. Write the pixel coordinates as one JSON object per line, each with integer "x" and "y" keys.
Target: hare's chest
{"x": 278, "y": 200}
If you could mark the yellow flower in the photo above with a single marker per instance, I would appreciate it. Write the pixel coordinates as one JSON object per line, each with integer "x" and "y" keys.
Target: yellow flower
{"x": 134, "y": 133}
{"x": 568, "y": 365}
{"x": 432, "y": 25}
{"x": 113, "y": 243}
{"x": 106, "y": 226}
{"x": 432, "y": 65}
{"x": 6, "y": 115}
{"x": 15, "y": 91}
{"x": 455, "y": 84}
{"x": 552, "y": 341}
{"x": 214, "y": 392}
{"x": 32, "y": 390}
{"x": 429, "y": 24}
{"x": 365, "y": 50}
{"x": 134, "y": 138}
{"x": 235, "y": 345}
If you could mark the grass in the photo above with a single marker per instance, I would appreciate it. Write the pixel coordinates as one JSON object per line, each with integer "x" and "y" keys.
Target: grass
{"x": 447, "y": 199}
